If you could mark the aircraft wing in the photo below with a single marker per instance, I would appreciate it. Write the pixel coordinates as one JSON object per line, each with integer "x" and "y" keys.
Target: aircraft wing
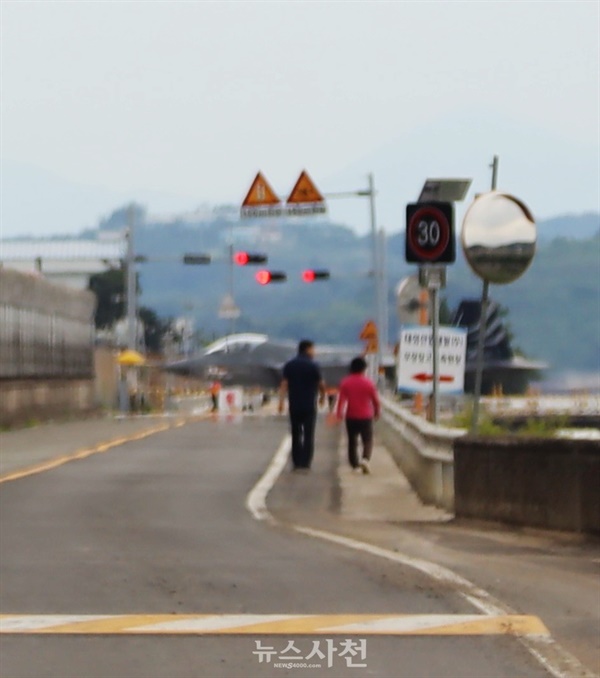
{"x": 229, "y": 369}
{"x": 255, "y": 360}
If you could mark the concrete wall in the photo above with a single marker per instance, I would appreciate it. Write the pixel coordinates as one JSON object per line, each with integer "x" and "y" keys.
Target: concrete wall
{"x": 539, "y": 482}
{"x": 25, "y": 401}
{"x": 106, "y": 377}
{"x": 46, "y": 349}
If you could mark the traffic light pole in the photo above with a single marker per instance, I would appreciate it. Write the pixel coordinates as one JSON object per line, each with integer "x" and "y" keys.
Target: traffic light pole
{"x": 378, "y": 256}
{"x": 385, "y": 333}
{"x": 378, "y": 278}
{"x": 231, "y": 267}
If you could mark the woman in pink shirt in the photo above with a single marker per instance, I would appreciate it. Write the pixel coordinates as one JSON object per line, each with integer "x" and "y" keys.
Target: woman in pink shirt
{"x": 358, "y": 401}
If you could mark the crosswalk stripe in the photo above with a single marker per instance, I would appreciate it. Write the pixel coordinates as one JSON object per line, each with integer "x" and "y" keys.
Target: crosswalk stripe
{"x": 276, "y": 624}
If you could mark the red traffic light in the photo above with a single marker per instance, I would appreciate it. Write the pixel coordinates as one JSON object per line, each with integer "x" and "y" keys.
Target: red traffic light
{"x": 265, "y": 277}
{"x": 310, "y": 275}
{"x": 244, "y": 258}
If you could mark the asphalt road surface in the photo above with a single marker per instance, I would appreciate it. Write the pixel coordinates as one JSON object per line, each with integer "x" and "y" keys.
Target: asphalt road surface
{"x": 155, "y": 535}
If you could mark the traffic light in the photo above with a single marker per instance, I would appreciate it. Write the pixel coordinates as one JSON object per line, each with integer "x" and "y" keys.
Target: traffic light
{"x": 430, "y": 233}
{"x": 265, "y": 277}
{"x": 196, "y": 259}
{"x": 245, "y": 258}
{"x": 311, "y": 274}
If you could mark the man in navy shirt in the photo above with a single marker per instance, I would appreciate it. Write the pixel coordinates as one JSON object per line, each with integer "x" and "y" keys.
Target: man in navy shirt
{"x": 301, "y": 382}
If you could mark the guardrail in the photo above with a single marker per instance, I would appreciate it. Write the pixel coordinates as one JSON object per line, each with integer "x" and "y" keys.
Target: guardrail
{"x": 576, "y": 407}
{"x": 423, "y": 451}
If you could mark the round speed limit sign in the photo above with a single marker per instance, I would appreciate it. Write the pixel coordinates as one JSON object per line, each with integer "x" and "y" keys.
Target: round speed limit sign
{"x": 429, "y": 233}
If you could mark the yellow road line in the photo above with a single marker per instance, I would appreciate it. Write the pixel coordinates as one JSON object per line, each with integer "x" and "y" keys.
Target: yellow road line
{"x": 85, "y": 452}
{"x": 285, "y": 624}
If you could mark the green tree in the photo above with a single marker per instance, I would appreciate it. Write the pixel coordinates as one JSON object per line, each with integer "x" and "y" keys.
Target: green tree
{"x": 109, "y": 288}
{"x": 154, "y": 329}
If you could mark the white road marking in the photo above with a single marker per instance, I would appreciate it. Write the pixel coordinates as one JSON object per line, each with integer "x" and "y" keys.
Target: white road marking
{"x": 405, "y": 624}
{"x": 256, "y": 502}
{"x": 209, "y": 623}
{"x": 269, "y": 624}
{"x": 25, "y": 622}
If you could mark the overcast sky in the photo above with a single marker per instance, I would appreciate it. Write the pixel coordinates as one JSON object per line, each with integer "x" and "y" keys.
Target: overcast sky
{"x": 186, "y": 101}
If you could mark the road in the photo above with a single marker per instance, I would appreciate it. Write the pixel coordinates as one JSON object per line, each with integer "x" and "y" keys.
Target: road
{"x": 154, "y": 536}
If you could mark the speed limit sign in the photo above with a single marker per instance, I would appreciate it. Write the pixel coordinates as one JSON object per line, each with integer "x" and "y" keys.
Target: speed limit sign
{"x": 430, "y": 233}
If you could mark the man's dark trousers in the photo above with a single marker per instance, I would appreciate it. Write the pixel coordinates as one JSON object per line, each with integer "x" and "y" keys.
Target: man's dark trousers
{"x": 303, "y": 437}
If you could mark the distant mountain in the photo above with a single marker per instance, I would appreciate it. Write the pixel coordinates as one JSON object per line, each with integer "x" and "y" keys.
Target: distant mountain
{"x": 553, "y": 307}
{"x": 576, "y": 226}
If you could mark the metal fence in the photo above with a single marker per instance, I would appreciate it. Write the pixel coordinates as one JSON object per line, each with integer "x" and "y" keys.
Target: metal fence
{"x": 46, "y": 331}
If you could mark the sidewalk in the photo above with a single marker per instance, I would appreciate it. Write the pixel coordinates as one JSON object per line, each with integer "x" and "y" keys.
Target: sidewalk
{"x": 384, "y": 495}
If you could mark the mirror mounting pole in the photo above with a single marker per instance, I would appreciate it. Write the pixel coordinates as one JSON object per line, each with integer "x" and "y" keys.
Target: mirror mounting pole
{"x": 482, "y": 322}
{"x": 479, "y": 361}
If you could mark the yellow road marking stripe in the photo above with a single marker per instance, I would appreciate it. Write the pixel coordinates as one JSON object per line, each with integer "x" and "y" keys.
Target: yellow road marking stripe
{"x": 102, "y": 447}
{"x": 81, "y": 454}
{"x": 332, "y": 624}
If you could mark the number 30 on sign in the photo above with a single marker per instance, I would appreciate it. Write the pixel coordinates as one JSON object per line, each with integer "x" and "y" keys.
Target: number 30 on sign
{"x": 430, "y": 233}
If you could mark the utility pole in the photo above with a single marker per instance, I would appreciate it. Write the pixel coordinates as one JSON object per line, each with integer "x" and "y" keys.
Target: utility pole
{"x": 383, "y": 287}
{"x": 377, "y": 277}
{"x": 131, "y": 282}
{"x": 377, "y": 267}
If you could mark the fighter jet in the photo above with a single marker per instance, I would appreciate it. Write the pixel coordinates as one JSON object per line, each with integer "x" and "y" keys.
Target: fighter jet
{"x": 255, "y": 360}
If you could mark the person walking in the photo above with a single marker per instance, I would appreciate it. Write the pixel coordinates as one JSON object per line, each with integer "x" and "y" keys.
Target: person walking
{"x": 359, "y": 402}
{"x": 301, "y": 383}
{"x": 215, "y": 389}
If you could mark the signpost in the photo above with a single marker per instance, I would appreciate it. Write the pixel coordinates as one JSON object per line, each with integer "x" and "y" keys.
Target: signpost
{"x": 416, "y": 360}
{"x": 430, "y": 243}
{"x": 261, "y": 200}
{"x": 370, "y": 334}
{"x": 228, "y": 308}
{"x": 305, "y": 198}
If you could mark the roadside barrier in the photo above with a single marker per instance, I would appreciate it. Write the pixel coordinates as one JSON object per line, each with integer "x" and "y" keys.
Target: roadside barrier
{"x": 547, "y": 482}
{"x": 423, "y": 451}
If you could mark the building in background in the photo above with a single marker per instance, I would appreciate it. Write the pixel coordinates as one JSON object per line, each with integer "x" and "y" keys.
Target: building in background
{"x": 67, "y": 261}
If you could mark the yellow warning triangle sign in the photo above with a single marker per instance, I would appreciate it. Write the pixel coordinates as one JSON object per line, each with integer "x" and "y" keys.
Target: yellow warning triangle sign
{"x": 260, "y": 193}
{"x": 304, "y": 191}
{"x": 369, "y": 331}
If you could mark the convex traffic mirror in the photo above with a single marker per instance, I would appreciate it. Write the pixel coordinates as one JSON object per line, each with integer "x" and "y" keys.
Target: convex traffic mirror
{"x": 498, "y": 237}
